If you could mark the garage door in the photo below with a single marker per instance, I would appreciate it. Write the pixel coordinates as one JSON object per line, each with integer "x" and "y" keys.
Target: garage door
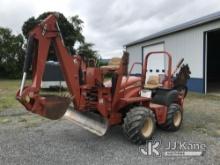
{"x": 156, "y": 63}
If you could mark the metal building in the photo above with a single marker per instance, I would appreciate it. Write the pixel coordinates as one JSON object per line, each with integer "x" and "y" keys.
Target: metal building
{"x": 197, "y": 41}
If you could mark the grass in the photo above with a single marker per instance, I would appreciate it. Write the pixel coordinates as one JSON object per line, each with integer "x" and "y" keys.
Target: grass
{"x": 8, "y": 89}
{"x": 15, "y": 111}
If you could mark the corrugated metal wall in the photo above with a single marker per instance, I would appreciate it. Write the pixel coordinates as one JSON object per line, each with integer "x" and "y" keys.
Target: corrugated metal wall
{"x": 188, "y": 44}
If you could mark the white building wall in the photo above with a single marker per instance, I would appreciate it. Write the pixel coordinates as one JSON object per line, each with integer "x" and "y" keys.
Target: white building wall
{"x": 187, "y": 44}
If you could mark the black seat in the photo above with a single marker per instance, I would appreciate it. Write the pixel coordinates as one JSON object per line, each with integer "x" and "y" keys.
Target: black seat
{"x": 164, "y": 96}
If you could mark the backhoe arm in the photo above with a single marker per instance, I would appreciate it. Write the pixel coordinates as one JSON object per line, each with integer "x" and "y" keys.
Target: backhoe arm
{"x": 44, "y": 35}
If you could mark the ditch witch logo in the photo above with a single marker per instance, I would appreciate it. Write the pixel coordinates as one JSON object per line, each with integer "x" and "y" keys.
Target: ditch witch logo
{"x": 173, "y": 149}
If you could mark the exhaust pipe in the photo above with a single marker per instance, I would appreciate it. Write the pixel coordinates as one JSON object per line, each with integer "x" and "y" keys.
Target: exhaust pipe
{"x": 87, "y": 120}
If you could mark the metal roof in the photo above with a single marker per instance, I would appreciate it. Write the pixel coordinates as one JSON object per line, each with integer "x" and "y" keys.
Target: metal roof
{"x": 181, "y": 27}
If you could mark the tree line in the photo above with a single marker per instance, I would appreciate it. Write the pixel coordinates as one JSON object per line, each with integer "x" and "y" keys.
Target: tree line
{"x": 12, "y": 47}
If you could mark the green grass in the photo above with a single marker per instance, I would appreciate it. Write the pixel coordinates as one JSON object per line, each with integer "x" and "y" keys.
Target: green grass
{"x": 8, "y": 89}
{"x": 16, "y": 113}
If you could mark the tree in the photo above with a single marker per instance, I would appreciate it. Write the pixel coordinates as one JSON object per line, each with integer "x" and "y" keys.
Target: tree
{"x": 11, "y": 46}
{"x": 71, "y": 29}
{"x": 11, "y": 54}
{"x": 86, "y": 50}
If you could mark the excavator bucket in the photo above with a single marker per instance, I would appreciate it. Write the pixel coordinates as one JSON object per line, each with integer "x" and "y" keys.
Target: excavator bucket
{"x": 87, "y": 120}
{"x": 49, "y": 106}
{"x": 55, "y": 106}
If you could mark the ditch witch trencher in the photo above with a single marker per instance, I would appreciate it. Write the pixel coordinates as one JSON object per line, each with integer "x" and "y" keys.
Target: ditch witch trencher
{"x": 97, "y": 104}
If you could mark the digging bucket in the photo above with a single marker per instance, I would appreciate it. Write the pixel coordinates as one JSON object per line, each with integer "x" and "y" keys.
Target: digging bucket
{"x": 50, "y": 106}
{"x": 55, "y": 106}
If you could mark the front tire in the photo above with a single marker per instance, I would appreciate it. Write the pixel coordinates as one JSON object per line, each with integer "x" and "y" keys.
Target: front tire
{"x": 174, "y": 118}
{"x": 139, "y": 125}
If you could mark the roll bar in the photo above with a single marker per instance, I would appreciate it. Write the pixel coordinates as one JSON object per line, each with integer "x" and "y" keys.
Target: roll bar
{"x": 169, "y": 71}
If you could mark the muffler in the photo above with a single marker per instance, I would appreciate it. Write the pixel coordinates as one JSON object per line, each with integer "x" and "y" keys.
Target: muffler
{"x": 87, "y": 120}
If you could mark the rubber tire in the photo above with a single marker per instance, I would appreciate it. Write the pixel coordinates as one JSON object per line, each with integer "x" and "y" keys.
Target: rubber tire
{"x": 169, "y": 124}
{"x": 133, "y": 123}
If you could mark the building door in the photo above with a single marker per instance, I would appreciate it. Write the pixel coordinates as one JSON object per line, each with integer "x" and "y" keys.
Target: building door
{"x": 213, "y": 61}
{"x": 156, "y": 62}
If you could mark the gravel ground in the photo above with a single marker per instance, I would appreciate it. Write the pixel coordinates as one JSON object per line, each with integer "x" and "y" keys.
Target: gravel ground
{"x": 61, "y": 142}
{"x": 29, "y": 139}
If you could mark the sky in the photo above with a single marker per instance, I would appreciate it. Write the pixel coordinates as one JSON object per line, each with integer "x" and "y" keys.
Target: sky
{"x": 110, "y": 24}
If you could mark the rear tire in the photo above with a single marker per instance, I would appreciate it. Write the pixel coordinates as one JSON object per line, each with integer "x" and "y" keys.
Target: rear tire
{"x": 139, "y": 125}
{"x": 174, "y": 118}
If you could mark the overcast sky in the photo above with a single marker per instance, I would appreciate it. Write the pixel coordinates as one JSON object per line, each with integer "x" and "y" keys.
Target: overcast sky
{"x": 110, "y": 24}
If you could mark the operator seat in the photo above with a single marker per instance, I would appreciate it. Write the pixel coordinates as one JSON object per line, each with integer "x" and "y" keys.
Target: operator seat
{"x": 165, "y": 96}
{"x": 153, "y": 82}
{"x": 160, "y": 95}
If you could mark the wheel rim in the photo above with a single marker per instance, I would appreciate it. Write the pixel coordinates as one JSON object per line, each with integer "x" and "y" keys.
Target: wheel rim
{"x": 147, "y": 128}
{"x": 177, "y": 118}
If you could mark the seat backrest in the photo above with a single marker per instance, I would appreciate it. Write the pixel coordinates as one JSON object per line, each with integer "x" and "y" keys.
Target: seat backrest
{"x": 153, "y": 82}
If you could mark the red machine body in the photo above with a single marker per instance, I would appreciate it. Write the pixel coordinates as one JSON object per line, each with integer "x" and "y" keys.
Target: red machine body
{"x": 108, "y": 99}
